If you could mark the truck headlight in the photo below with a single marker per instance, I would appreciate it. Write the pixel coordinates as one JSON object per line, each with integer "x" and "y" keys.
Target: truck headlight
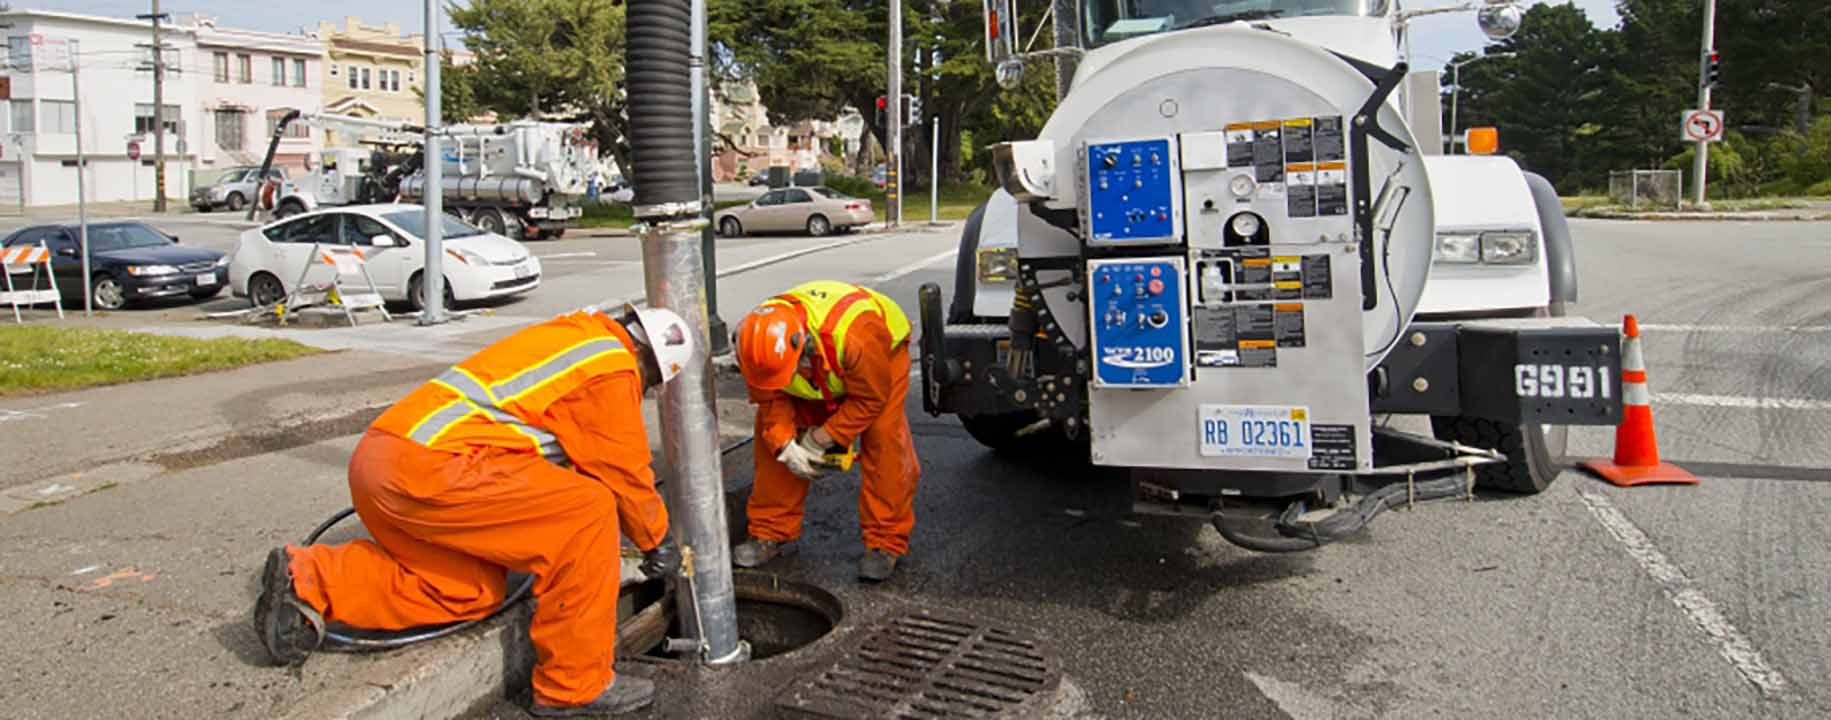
{"x": 1458, "y": 248}
{"x": 1509, "y": 248}
{"x": 142, "y": 270}
{"x": 997, "y": 264}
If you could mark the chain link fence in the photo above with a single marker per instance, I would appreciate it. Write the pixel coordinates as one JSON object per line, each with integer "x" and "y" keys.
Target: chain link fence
{"x": 1640, "y": 189}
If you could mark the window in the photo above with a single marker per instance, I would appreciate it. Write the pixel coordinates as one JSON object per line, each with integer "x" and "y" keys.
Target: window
{"x": 773, "y": 197}
{"x": 19, "y": 52}
{"x": 57, "y": 116}
{"x": 353, "y": 77}
{"x": 22, "y": 117}
{"x": 229, "y": 129}
{"x": 409, "y": 77}
{"x": 219, "y": 63}
{"x": 798, "y": 196}
{"x": 307, "y": 229}
{"x": 296, "y": 129}
{"x": 414, "y": 222}
{"x": 122, "y": 236}
{"x": 244, "y": 69}
{"x": 143, "y": 118}
{"x": 397, "y": 81}
{"x": 365, "y": 78}
{"x": 359, "y": 229}
{"x": 279, "y": 71}
{"x": 298, "y": 73}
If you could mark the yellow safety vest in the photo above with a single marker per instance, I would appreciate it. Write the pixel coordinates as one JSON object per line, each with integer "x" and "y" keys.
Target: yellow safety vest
{"x": 831, "y": 307}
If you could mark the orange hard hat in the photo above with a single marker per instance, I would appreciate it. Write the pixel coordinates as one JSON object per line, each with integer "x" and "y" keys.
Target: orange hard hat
{"x": 770, "y": 339}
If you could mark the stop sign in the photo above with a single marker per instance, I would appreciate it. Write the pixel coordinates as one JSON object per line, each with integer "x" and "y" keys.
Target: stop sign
{"x": 133, "y": 150}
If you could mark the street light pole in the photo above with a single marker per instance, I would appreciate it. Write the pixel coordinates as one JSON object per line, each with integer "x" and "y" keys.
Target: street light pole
{"x": 1701, "y": 165}
{"x": 1456, "y": 92}
{"x": 432, "y": 278}
{"x": 893, "y": 109}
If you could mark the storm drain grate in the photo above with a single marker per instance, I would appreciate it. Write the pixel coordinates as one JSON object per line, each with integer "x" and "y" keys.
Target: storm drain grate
{"x": 928, "y": 665}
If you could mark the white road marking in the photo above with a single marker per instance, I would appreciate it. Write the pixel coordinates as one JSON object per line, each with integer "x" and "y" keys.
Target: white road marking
{"x": 912, "y": 267}
{"x": 1740, "y": 402}
{"x": 7, "y": 416}
{"x": 559, "y": 256}
{"x": 1679, "y": 588}
{"x": 1679, "y": 327}
{"x": 773, "y": 259}
{"x": 1294, "y": 700}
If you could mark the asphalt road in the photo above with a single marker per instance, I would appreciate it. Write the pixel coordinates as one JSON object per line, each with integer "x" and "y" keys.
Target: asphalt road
{"x": 1586, "y": 601}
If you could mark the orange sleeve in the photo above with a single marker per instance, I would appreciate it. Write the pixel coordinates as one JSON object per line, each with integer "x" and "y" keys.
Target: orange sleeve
{"x": 865, "y": 370}
{"x": 600, "y": 426}
{"x": 775, "y": 418}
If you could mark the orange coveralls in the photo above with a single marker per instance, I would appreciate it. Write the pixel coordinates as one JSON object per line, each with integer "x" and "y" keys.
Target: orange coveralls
{"x": 876, "y": 377}
{"x": 458, "y": 482}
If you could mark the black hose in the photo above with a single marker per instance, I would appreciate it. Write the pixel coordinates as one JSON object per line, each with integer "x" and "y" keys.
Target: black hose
{"x": 409, "y": 636}
{"x": 1299, "y": 535}
{"x": 659, "y": 79}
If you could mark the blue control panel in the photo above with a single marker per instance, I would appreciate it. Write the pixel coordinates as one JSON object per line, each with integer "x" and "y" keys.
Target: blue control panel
{"x": 1140, "y": 337}
{"x": 1132, "y": 193}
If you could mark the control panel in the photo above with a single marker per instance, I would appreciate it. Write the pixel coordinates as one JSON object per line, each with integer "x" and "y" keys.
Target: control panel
{"x": 1132, "y": 193}
{"x": 1138, "y": 322}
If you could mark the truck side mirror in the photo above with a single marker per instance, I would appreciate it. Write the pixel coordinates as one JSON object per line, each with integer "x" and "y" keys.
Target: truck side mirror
{"x": 1499, "y": 21}
{"x": 1001, "y": 39}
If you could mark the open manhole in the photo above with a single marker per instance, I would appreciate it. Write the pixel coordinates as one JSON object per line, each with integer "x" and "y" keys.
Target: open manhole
{"x": 774, "y": 616}
{"x": 929, "y": 665}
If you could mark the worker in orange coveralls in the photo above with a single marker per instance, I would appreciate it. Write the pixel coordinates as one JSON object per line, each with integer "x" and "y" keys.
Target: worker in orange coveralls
{"x": 530, "y": 456}
{"x": 826, "y": 363}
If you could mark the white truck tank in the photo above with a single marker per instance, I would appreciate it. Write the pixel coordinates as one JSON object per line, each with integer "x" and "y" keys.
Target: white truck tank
{"x": 516, "y": 163}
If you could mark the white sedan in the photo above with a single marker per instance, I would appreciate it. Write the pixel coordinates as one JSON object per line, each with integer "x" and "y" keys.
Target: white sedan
{"x": 268, "y": 261}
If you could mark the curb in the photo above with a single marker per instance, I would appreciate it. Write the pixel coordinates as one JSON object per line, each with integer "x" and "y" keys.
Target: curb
{"x": 456, "y": 675}
{"x": 1706, "y": 217}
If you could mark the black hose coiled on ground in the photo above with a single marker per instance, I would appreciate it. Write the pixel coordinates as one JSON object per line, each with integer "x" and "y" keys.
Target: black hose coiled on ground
{"x": 1296, "y": 535}
{"x": 661, "y": 102}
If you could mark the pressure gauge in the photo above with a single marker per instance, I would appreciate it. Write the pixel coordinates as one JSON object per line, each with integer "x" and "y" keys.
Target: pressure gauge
{"x": 1241, "y": 185}
{"x": 1245, "y": 225}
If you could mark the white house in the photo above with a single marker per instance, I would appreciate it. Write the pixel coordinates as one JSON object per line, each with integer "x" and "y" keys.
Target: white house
{"x": 246, "y": 80}
{"x": 38, "y": 147}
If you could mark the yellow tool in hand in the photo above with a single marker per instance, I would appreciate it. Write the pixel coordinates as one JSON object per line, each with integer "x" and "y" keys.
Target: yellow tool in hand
{"x": 839, "y": 458}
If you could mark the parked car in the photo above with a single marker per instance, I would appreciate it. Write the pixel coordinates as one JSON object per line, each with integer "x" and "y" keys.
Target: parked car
{"x": 759, "y": 179}
{"x": 816, "y": 210}
{"x": 234, "y": 190}
{"x": 268, "y": 261}
{"x": 128, "y": 262}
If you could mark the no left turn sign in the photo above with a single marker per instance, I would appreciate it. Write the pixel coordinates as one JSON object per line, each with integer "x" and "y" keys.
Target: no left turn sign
{"x": 1702, "y": 125}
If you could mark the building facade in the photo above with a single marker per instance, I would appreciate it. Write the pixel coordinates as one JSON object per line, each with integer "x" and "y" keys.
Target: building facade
{"x": 370, "y": 71}
{"x": 249, "y": 81}
{"x": 38, "y": 164}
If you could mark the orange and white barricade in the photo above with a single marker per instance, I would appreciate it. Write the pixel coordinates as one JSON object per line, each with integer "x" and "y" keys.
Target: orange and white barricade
{"x": 349, "y": 276}
{"x": 24, "y": 260}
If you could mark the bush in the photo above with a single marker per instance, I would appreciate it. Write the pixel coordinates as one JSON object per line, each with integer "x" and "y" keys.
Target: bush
{"x": 854, "y": 186}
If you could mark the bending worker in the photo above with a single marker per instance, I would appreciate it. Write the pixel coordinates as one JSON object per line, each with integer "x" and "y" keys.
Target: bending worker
{"x": 827, "y": 363}
{"x": 529, "y": 456}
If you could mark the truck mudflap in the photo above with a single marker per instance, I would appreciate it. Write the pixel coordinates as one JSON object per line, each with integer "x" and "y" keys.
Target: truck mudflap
{"x": 1552, "y": 371}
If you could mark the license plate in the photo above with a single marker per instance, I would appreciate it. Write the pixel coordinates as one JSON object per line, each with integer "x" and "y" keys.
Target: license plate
{"x": 1261, "y": 431}
{"x": 523, "y": 272}
{"x": 206, "y": 279}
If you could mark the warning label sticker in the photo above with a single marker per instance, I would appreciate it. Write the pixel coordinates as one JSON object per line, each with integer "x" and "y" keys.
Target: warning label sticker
{"x": 1287, "y": 322}
{"x": 1317, "y": 284}
{"x": 1301, "y": 179}
{"x": 1297, "y": 145}
{"x": 1268, "y": 152}
{"x": 1239, "y": 145}
{"x": 1327, "y": 139}
{"x": 1332, "y": 447}
{"x": 1332, "y": 188}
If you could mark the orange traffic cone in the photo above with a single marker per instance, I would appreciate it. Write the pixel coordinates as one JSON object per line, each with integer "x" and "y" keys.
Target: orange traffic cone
{"x": 1636, "y": 449}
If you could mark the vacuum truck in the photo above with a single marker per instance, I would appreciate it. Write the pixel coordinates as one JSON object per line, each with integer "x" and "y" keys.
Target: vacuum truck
{"x": 523, "y": 179}
{"x": 1236, "y": 265}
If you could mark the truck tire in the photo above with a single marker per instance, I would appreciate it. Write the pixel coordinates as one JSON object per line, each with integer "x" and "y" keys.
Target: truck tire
{"x": 999, "y": 433}
{"x": 288, "y": 208}
{"x": 491, "y": 220}
{"x": 1535, "y": 453}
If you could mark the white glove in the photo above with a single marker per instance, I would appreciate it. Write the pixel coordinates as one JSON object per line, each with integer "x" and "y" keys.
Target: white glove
{"x": 800, "y": 460}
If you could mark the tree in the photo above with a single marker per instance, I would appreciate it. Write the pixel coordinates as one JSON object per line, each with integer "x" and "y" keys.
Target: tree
{"x": 549, "y": 58}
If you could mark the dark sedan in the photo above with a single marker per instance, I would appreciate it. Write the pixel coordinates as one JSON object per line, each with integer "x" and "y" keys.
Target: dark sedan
{"x": 128, "y": 261}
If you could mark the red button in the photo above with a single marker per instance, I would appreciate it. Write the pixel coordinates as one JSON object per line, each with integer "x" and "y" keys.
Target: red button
{"x": 1156, "y": 272}
{"x": 1156, "y": 287}
{"x": 1138, "y": 278}
{"x": 1161, "y": 217}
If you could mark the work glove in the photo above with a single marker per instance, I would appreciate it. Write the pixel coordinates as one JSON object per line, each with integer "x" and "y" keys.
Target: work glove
{"x": 663, "y": 560}
{"x": 801, "y": 461}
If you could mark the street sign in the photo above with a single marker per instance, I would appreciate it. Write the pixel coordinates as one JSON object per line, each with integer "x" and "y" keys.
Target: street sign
{"x": 1702, "y": 125}
{"x": 133, "y": 150}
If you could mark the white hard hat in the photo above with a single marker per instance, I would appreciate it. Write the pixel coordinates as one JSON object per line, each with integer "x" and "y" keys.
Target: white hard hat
{"x": 669, "y": 340}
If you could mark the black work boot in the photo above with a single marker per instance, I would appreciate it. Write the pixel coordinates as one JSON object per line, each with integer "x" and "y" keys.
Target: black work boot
{"x": 289, "y": 628}
{"x": 625, "y": 694}
{"x": 876, "y": 565}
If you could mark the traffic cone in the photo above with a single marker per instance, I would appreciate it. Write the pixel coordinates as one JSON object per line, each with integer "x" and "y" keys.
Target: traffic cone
{"x": 1636, "y": 449}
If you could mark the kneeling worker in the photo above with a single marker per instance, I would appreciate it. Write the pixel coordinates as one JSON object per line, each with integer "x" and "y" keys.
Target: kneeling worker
{"x": 827, "y": 363}
{"x": 528, "y": 456}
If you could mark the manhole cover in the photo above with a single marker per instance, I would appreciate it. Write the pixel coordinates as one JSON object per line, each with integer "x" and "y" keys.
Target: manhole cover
{"x": 928, "y": 665}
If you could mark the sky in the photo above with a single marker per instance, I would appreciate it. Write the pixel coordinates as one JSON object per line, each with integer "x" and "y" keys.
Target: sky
{"x": 1434, "y": 39}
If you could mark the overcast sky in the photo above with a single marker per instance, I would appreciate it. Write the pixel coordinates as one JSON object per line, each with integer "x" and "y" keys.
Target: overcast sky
{"x": 1434, "y": 39}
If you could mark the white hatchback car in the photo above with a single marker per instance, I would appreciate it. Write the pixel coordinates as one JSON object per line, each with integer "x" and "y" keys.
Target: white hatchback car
{"x": 269, "y": 260}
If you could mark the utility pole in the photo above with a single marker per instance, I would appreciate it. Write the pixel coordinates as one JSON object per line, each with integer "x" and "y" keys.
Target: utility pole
{"x": 1701, "y": 166}
{"x": 934, "y": 171}
{"x": 702, "y": 147}
{"x": 158, "y": 110}
{"x": 893, "y": 171}
{"x": 432, "y": 279}
{"x": 82, "y": 168}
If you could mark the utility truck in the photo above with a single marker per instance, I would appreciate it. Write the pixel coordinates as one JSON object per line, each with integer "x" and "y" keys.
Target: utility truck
{"x": 1236, "y": 265}
{"x": 523, "y": 179}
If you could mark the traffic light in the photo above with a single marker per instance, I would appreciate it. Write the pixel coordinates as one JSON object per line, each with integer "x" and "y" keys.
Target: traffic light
{"x": 1713, "y": 69}
{"x": 881, "y": 105}
{"x": 914, "y": 106}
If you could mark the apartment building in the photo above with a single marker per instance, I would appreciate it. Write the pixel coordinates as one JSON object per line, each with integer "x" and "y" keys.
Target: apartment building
{"x": 248, "y": 81}
{"x": 370, "y": 71}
